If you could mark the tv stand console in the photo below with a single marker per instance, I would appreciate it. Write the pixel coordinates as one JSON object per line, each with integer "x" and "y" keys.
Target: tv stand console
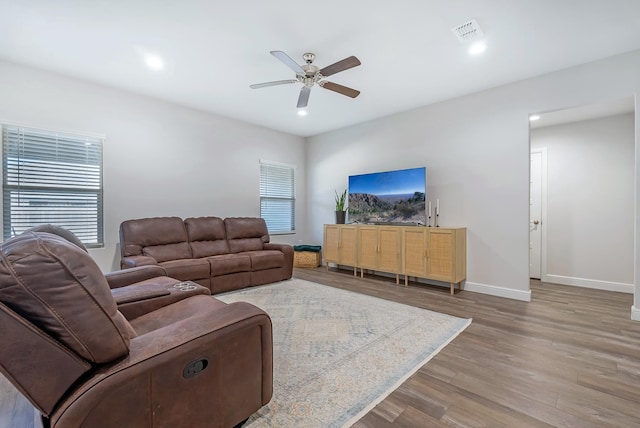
{"x": 433, "y": 253}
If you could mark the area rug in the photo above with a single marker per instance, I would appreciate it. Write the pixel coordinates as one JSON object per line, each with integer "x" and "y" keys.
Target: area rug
{"x": 338, "y": 353}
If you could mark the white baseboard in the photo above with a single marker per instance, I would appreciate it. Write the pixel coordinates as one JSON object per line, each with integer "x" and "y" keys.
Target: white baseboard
{"x": 475, "y": 287}
{"x": 589, "y": 283}
{"x": 492, "y": 290}
{"x": 635, "y": 313}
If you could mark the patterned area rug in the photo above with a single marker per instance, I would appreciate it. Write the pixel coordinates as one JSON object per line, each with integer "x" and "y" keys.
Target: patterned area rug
{"x": 338, "y": 353}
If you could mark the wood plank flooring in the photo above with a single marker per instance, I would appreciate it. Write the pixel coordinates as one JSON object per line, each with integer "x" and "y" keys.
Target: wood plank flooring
{"x": 568, "y": 358}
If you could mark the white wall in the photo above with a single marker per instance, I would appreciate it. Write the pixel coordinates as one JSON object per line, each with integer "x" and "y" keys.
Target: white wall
{"x": 590, "y": 201}
{"x": 160, "y": 159}
{"x": 476, "y": 150}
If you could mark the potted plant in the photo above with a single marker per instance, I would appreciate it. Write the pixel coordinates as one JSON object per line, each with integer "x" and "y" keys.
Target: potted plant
{"x": 341, "y": 212}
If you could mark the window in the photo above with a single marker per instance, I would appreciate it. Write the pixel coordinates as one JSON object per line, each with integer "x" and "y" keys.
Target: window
{"x": 49, "y": 177}
{"x": 278, "y": 197}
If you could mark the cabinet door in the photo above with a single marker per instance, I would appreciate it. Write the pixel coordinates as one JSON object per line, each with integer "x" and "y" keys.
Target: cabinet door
{"x": 368, "y": 247}
{"x": 441, "y": 255}
{"x": 389, "y": 249}
{"x": 331, "y": 243}
{"x": 415, "y": 251}
{"x": 348, "y": 246}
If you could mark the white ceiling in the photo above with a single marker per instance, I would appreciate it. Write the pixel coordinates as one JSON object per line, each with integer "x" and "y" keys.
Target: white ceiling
{"x": 213, "y": 50}
{"x": 592, "y": 111}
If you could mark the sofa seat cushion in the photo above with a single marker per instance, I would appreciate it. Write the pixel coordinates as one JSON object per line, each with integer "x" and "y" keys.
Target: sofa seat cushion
{"x": 266, "y": 259}
{"x": 187, "y": 268}
{"x": 229, "y": 263}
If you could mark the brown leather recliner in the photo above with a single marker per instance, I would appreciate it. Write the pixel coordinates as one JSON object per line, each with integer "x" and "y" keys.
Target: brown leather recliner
{"x": 196, "y": 362}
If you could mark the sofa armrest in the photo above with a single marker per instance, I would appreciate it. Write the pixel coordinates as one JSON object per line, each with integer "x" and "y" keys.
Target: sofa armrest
{"x": 287, "y": 250}
{"x": 133, "y": 261}
{"x": 124, "y": 277}
{"x": 171, "y": 374}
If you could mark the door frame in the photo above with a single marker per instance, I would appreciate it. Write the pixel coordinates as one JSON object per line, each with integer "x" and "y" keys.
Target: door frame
{"x": 543, "y": 211}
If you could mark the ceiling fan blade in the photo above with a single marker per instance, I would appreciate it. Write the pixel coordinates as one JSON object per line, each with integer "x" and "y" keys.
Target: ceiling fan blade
{"x": 344, "y": 90}
{"x": 303, "y": 99}
{"x": 277, "y": 82}
{"x": 288, "y": 61}
{"x": 339, "y": 66}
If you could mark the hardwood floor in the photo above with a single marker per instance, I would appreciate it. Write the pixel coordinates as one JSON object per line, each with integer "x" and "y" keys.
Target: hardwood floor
{"x": 568, "y": 358}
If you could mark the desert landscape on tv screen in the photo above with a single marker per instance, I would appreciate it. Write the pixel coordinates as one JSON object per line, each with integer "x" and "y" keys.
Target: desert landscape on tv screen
{"x": 388, "y": 197}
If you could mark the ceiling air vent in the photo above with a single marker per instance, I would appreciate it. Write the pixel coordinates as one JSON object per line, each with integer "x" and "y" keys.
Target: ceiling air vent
{"x": 468, "y": 31}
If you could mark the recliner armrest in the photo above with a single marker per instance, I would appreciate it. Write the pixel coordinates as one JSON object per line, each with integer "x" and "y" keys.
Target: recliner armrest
{"x": 124, "y": 277}
{"x": 135, "y": 294}
{"x": 140, "y": 298}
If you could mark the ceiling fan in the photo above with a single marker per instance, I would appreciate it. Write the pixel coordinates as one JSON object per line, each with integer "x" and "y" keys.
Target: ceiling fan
{"x": 309, "y": 75}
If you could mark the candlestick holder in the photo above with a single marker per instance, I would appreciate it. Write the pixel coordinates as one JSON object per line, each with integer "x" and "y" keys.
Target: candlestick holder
{"x": 437, "y": 215}
{"x": 429, "y": 221}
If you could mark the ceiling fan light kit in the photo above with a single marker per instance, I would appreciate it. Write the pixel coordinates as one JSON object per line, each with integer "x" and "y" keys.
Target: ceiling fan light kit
{"x": 309, "y": 75}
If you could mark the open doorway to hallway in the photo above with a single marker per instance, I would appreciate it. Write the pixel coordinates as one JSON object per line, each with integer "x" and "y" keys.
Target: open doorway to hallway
{"x": 582, "y": 196}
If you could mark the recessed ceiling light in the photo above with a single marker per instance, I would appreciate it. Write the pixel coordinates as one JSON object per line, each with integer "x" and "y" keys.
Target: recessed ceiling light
{"x": 477, "y": 48}
{"x": 154, "y": 62}
{"x": 534, "y": 117}
{"x": 302, "y": 112}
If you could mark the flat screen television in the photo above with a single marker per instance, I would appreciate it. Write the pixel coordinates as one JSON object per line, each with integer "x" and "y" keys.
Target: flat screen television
{"x": 389, "y": 197}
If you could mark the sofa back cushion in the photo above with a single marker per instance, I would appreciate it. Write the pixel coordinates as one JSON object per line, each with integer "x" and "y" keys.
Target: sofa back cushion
{"x": 206, "y": 236}
{"x": 246, "y": 233}
{"x": 58, "y": 288}
{"x": 163, "y": 238}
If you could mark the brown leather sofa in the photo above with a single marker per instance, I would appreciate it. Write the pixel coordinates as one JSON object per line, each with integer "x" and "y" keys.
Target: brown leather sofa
{"x": 219, "y": 254}
{"x": 167, "y": 355}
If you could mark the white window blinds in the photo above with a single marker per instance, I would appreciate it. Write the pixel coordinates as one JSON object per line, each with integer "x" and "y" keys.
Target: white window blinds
{"x": 278, "y": 197}
{"x": 49, "y": 177}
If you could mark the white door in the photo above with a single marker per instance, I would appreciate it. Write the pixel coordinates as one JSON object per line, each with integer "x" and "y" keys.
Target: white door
{"x": 535, "y": 215}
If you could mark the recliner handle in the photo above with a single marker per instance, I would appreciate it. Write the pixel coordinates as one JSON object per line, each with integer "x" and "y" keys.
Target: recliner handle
{"x": 194, "y": 368}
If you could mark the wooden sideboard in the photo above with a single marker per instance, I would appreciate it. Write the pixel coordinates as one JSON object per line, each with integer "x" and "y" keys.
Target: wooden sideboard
{"x": 434, "y": 253}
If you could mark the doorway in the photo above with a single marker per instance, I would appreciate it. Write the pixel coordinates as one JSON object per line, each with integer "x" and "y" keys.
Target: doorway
{"x": 587, "y": 236}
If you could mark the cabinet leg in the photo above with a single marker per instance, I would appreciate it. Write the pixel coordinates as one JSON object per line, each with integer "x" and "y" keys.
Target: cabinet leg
{"x": 355, "y": 272}
{"x": 397, "y": 279}
{"x": 453, "y": 289}
{"x": 406, "y": 280}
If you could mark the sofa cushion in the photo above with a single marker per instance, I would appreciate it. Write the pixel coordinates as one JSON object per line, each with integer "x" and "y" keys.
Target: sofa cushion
{"x": 246, "y": 233}
{"x": 266, "y": 259}
{"x": 151, "y": 232}
{"x": 187, "y": 269}
{"x": 162, "y": 253}
{"x": 206, "y": 236}
{"x": 229, "y": 263}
